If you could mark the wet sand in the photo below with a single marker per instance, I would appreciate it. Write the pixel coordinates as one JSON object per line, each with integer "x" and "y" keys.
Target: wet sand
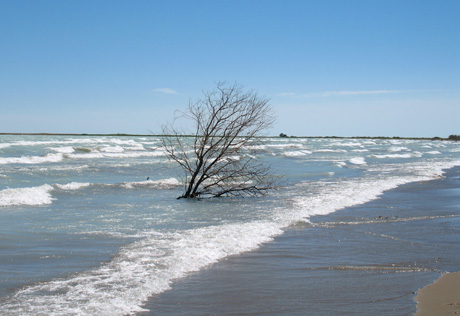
{"x": 440, "y": 298}
{"x": 369, "y": 259}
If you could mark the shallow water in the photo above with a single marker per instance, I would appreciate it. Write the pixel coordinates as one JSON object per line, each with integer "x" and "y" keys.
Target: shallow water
{"x": 86, "y": 234}
{"x": 363, "y": 260}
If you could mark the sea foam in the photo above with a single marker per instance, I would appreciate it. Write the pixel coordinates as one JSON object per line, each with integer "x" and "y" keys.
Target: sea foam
{"x": 26, "y": 196}
{"x": 73, "y": 186}
{"x": 358, "y": 161}
{"x": 158, "y": 184}
{"x": 32, "y": 159}
{"x": 140, "y": 270}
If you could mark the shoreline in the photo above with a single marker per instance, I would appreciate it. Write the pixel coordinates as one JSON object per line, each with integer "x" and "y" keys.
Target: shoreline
{"x": 442, "y": 297}
{"x": 330, "y": 267}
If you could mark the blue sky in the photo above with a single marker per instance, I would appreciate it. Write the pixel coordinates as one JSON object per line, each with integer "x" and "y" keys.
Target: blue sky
{"x": 331, "y": 68}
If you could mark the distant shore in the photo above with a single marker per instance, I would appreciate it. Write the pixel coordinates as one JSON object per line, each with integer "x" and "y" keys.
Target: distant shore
{"x": 441, "y": 297}
{"x": 157, "y": 135}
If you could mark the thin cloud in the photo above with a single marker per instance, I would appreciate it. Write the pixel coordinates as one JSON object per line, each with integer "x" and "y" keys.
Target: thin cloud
{"x": 165, "y": 91}
{"x": 326, "y": 94}
{"x": 363, "y": 92}
{"x": 287, "y": 94}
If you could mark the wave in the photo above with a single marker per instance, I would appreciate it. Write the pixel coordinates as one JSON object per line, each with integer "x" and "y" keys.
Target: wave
{"x": 26, "y": 196}
{"x": 398, "y": 149}
{"x": 348, "y": 144}
{"x": 382, "y": 220}
{"x": 358, "y": 161}
{"x": 331, "y": 151}
{"x": 50, "y": 142}
{"x": 41, "y": 195}
{"x": 298, "y": 153}
{"x": 81, "y": 153}
{"x": 158, "y": 184}
{"x": 141, "y": 269}
{"x": 150, "y": 265}
{"x": 330, "y": 196}
{"x": 114, "y": 154}
{"x": 63, "y": 150}
{"x": 393, "y": 268}
{"x": 73, "y": 185}
{"x": 407, "y": 155}
{"x": 112, "y": 149}
{"x": 32, "y": 159}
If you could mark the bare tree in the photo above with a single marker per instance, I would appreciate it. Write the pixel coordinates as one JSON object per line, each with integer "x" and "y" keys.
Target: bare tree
{"x": 218, "y": 157}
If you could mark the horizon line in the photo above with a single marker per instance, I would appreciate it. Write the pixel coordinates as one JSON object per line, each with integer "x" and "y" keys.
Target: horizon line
{"x": 272, "y": 136}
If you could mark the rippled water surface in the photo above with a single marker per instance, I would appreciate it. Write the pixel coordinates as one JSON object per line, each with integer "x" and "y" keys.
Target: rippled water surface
{"x": 85, "y": 233}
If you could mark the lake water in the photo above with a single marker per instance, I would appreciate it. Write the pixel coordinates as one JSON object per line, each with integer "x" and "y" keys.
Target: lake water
{"x": 85, "y": 233}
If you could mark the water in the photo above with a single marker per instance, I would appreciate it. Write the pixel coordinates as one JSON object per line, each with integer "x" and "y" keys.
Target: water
{"x": 85, "y": 233}
{"x": 367, "y": 259}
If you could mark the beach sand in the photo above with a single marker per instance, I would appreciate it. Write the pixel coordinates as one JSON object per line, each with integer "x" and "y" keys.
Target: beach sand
{"x": 441, "y": 297}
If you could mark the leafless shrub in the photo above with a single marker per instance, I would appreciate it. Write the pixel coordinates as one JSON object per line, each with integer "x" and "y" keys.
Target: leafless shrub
{"x": 219, "y": 154}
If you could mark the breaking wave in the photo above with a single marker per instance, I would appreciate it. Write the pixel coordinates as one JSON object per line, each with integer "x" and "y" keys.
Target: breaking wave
{"x": 26, "y": 196}
{"x": 32, "y": 159}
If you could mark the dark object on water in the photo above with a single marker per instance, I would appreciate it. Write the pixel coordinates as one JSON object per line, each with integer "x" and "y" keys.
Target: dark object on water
{"x": 148, "y": 178}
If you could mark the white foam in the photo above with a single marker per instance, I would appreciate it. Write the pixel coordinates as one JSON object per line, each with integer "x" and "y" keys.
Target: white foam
{"x": 32, "y": 159}
{"x": 297, "y": 153}
{"x": 333, "y": 196}
{"x": 358, "y": 161}
{"x": 397, "y": 149}
{"x": 348, "y": 144}
{"x": 340, "y": 164}
{"x": 158, "y": 184}
{"x": 112, "y": 149}
{"x": 275, "y": 146}
{"x": 149, "y": 266}
{"x": 64, "y": 150}
{"x": 331, "y": 151}
{"x": 434, "y": 152}
{"x": 73, "y": 185}
{"x": 141, "y": 269}
{"x": 392, "y": 156}
{"x": 130, "y": 154}
{"x": 26, "y": 196}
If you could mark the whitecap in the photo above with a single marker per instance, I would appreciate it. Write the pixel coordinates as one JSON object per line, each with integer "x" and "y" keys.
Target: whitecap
{"x": 158, "y": 184}
{"x": 73, "y": 185}
{"x": 32, "y": 159}
{"x": 297, "y": 153}
{"x": 349, "y": 144}
{"x": 63, "y": 150}
{"x": 397, "y": 149}
{"x": 331, "y": 151}
{"x": 139, "y": 270}
{"x": 26, "y": 196}
{"x": 112, "y": 149}
{"x": 392, "y": 156}
{"x": 340, "y": 164}
{"x": 131, "y": 154}
{"x": 358, "y": 161}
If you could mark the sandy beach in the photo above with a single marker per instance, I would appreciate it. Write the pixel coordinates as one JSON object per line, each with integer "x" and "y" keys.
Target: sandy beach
{"x": 441, "y": 297}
